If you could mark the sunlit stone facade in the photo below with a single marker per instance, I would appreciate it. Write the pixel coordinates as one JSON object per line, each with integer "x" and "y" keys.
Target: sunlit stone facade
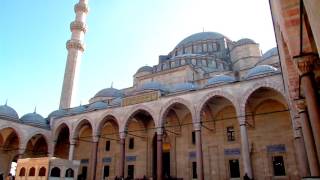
{"x": 212, "y": 108}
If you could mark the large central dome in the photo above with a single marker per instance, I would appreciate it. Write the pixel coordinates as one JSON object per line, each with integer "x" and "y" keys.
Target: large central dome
{"x": 200, "y": 37}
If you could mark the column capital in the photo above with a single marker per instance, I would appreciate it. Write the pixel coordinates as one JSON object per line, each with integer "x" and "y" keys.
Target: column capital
{"x": 73, "y": 141}
{"x": 242, "y": 120}
{"x": 95, "y": 138}
{"x": 160, "y": 130}
{"x": 123, "y": 135}
{"x": 300, "y": 105}
{"x": 297, "y": 133}
{"x": 197, "y": 126}
{"x": 305, "y": 63}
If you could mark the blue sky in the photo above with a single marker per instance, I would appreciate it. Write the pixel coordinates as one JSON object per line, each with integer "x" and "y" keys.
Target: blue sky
{"x": 122, "y": 36}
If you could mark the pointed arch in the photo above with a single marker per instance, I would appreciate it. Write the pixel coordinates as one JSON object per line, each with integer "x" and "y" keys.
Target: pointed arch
{"x": 134, "y": 111}
{"x": 217, "y": 93}
{"x": 175, "y": 101}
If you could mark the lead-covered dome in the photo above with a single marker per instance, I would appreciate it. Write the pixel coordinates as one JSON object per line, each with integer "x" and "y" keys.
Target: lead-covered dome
{"x": 270, "y": 53}
{"x": 97, "y": 106}
{"x": 218, "y": 79}
{"x": 109, "y": 92}
{"x": 260, "y": 70}
{"x": 57, "y": 113}
{"x": 145, "y": 69}
{"x": 77, "y": 110}
{"x": 34, "y": 119}
{"x": 180, "y": 87}
{"x": 202, "y": 36}
{"x": 8, "y": 112}
{"x": 245, "y": 41}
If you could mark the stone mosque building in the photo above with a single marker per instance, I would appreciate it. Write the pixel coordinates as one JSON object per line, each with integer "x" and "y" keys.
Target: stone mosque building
{"x": 212, "y": 108}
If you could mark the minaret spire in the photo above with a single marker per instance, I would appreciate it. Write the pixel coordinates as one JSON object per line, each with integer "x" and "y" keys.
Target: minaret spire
{"x": 75, "y": 49}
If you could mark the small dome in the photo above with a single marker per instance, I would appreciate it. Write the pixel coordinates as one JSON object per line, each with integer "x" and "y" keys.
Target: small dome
{"x": 202, "y": 36}
{"x": 220, "y": 79}
{"x": 57, "y": 113}
{"x": 98, "y": 105}
{"x": 77, "y": 110}
{"x": 34, "y": 119}
{"x": 245, "y": 41}
{"x": 183, "y": 87}
{"x": 116, "y": 102}
{"x": 270, "y": 53}
{"x": 153, "y": 85}
{"x": 261, "y": 69}
{"x": 109, "y": 92}
{"x": 8, "y": 112}
{"x": 145, "y": 69}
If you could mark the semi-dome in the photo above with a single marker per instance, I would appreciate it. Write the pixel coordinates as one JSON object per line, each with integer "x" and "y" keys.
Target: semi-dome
{"x": 261, "y": 69}
{"x": 270, "y": 53}
{"x": 202, "y": 36}
{"x": 145, "y": 69}
{"x": 8, "y": 112}
{"x": 187, "y": 86}
{"x": 116, "y": 102}
{"x": 97, "y": 105}
{"x": 153, "y": 85}
{"x": 245, "y": 41}
{"x": 220, "y": 79}
{"x": 77, "y": 110}
{"x": 109, "y": 92}
{"x": 34, "y": 119}
{"x": 57, "y": 113}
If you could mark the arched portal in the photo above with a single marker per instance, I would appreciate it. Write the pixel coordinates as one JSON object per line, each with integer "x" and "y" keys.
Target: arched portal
{"x": 140, "y": 130}
{"x": 108, "y": 154}
{"x": 61, "y": 148}
{"x": 220, "y": 130}
{"x": 178, "y": 127}
{"x": 84, "y": 142}
{"x": 9, "y": 152}
{"x": 37, "y": 146}
{"x": 270, "y": 133}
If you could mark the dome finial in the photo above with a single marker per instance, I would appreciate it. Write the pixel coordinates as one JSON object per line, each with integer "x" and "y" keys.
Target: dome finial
{"x": 111, "y": 84}
{"x": 35, "y": 109}
{"x": 6, "y": 102}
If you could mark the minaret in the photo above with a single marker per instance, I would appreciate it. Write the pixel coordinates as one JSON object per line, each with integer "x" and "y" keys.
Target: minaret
{"x": 75, "y": 49}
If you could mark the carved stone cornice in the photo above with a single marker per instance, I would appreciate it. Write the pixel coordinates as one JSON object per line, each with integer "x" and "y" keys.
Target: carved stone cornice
{"x": 81, "y": 7}
{"x": 300, "y": 105}
{"x": 305, "y": 63}
{"x": 78, "y": 25}
{"x": 75, "y": 44}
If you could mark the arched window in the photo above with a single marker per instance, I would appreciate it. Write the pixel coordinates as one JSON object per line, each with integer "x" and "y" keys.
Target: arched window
{"x": 42, "y": 171}
{"x": 22, "y": 172}
{"x": 32, "y": 171}
{"x": 55, "y": 172}
{"x": 69, "y": 172}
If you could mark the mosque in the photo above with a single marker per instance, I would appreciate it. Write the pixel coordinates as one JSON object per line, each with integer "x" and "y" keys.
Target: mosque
{"x": 212, "y": 108}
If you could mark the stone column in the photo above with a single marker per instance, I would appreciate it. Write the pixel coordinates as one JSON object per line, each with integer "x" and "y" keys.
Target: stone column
{"x": 245, "y": 153}
{"x": 308, "y": 139}
{"x": 199, "y": 154}
{"x": 51, "y": 149}
{"x": 305, "y": 65}
{"x": 93, "y": 157}
{"x": 122, "y": 153}
{"x": 302, "y": 160}
{"x": 71, "y": 149}
{"x": 159, "y": 154}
